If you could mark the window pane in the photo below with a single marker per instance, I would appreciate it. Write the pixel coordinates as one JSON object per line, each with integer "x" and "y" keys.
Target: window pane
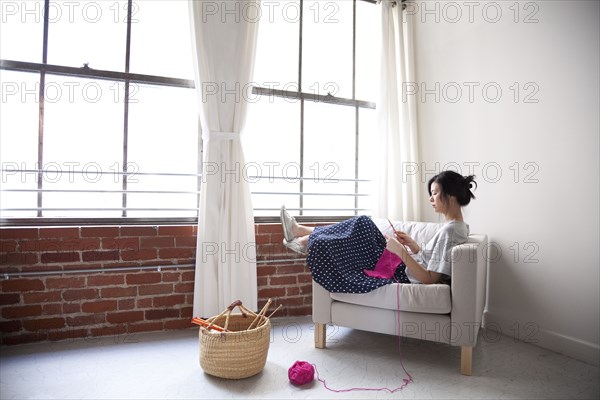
{"x": 276, "y": 62}
{"x": 163, "y": 137}
{"x": 161, "y": 39}
{"x": 93, "y": 32}
{"x": 367, "y": 139}
{"x": 18, "y": 140}
{"x": 327, "y": 48}
{"x": 272, "y": 150}
{"x": 83, "y": 131}
{"x": 368, "y": 49}
{"x": 22, "y": 30}
{"x": 329, "y": 157}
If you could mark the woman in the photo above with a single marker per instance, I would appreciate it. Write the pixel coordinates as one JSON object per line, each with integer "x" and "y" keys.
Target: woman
{"x": 354, "y": 257}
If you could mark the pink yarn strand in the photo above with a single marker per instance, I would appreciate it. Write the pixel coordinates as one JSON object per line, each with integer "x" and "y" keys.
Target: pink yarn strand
{"x": 406, "y": 382}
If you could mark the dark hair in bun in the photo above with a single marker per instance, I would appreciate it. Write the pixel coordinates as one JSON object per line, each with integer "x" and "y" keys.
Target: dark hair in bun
{"x": 454, "y": 184}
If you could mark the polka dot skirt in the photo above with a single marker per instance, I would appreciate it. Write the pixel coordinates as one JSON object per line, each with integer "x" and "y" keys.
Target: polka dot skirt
{"x": 338, "y": 254}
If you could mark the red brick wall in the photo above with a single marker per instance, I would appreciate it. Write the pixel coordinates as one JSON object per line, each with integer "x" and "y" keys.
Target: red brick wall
{"x": 88, "y": 303}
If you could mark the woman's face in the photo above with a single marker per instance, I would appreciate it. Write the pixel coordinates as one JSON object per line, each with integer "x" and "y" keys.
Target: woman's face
{"x": 436, "y": 198}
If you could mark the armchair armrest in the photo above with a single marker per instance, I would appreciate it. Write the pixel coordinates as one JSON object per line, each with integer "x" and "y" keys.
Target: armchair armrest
{"x": 469, "y": 270}
{"x": 321, "y": 307}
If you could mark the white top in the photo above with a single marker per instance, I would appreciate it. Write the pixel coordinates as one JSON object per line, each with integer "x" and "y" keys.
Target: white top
{"x": 436, "y": 255}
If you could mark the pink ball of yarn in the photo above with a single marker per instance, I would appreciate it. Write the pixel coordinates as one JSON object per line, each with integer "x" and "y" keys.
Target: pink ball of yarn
{"x": 301, "y": 373}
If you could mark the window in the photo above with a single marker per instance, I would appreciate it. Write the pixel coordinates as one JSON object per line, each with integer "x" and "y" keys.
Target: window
{"x": 310, "y": 133}
{"x": 99, "y": 112}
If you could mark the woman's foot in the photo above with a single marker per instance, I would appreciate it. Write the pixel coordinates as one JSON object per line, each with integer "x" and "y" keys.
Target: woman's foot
{"x": 289, "y": 225}
{"x": 291, "y": 228}
{"x": 299, "y": 244}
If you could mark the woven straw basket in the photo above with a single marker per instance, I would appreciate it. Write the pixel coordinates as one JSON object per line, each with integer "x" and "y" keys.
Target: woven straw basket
{"x": 240, "y": 352}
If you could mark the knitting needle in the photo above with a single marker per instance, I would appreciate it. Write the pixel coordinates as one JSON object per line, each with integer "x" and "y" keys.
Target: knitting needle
{"x": 205, "y": 324}
{"x": 264, "y": 309}
{"x": 264, "y": 321}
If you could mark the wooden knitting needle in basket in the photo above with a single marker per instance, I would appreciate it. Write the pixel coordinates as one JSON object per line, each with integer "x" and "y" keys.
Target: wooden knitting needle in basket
{"x": 260, "y": 314}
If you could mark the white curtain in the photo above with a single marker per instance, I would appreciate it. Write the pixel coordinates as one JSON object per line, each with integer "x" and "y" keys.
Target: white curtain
{"x": 224, "y": 59}
{"x": 398, "y": 184}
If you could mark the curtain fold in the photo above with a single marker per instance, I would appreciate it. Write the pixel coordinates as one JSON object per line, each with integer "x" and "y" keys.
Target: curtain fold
{"x": 397, "y": 182}
{"x": 225, "y": 48}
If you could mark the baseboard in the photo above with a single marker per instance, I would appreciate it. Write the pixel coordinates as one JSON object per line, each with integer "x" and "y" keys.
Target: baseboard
{"x": 530, "y": 333}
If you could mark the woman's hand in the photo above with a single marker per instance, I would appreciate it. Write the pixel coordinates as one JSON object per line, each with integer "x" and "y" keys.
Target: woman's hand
{"x": 406, "y": 240}
{"x": 395, "y": 247}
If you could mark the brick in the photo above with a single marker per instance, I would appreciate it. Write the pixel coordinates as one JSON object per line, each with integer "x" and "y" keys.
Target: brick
{"x": 263, "y": 239}
{"x": 271, "y": 292}
{"x": 184, "y": 287}
{"x": 18, "y": 233}
{"x": 25, "y": 338}
{"x": 161, "y": 314}
{"x": 65, "y": 283}
{"x": 145, "y": 327}
{"x": 292, "y": 291}
{"x": 269, "y": 228}
{"x": 282, "y": 280}
{"x": 127, "y": 304}
{"x": 80, "y": 294}
{"x": 81, "y": 320}
{"x": 143, "y": 278}
{"x": 124, "y": 317}
{"x": 22, "y": 285}
{"x": 138, "y": 231}
{"x": 264, "y": 270}
{"x": 52, "y": 309}
{"x": 10, "y": 326}
{"x": 129, "y": 291}
{"x": 70, "y": 334}
{"x": 129, "y": 243}
{"x": 114, "y": 330}
{"x": 8, "y": 246}
{"x": 156, "y": 242}
{"x": 176, "y": 230}
{"x": 9, "y": 298}
{"x": 105, "y": 280}
{"x": 71, "y": 308}
{"x": 186, "y": 241}
{"x": 179, "y": 324}
{"x": 163, "y": 288}
{"x": 52, "y": 258}
{"x": 188, "y": 276}
{"x": 144, "y": 303}
{"x": 99, "y": 306}
{"x": 167, "y": 254}
{"x": 41, "y": 297}
{"x": 100, "y": 231}
{"x": 306, "y": 289}
{"x": 299, "y": 311}
{"x": 170, "y": 276}
{"x": 19, "y": 258}
{"x": 100, "y": 255}
{"x": 186, "y": 312}
{"x": 134, "y": 255}
{"x": 169, "y": 301}
{"x": 305, "y": 278}
{"x": 43, "y": 323}
{"x": 54, "y": 245}
{"x": 59, "y": 233}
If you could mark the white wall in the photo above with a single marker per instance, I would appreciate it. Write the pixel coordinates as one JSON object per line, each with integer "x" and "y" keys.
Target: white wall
{"x": 546, "y": 206}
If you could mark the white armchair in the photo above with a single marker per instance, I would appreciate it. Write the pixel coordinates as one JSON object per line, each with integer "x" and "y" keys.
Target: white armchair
{"x": 449, "y": 314}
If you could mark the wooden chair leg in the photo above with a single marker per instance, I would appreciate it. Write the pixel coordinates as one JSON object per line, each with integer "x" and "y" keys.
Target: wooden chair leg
{"x": 320, "y": 335}
{"x": 466, "y": 360}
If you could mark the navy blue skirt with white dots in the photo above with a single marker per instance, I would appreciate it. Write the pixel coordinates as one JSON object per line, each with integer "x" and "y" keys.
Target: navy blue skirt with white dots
{"x": 338, "y": 255}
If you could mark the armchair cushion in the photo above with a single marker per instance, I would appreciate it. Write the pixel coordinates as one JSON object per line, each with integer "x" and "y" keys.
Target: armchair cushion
{"x": 431, "y": 299}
